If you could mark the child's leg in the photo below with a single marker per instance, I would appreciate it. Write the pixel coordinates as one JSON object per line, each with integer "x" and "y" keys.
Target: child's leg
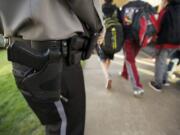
{"x": 105, "y": 66}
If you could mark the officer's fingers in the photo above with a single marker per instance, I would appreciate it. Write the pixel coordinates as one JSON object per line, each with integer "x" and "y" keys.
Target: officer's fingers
{"x": 100, "y": 41}
{"x": 101, "y": 37}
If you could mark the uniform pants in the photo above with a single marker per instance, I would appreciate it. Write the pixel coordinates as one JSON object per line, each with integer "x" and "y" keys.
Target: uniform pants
{"x": 66, "y": 116}
{"x": 73, "y": 119}
{"x": 131, "y": 50}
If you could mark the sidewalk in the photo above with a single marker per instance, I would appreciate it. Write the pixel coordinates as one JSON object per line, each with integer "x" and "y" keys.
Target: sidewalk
{"x": 118, "y": 112}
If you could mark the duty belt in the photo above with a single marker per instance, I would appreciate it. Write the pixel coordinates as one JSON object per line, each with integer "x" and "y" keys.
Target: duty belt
{"x": 54, "y": 45}
{"x": 39, "y": 53}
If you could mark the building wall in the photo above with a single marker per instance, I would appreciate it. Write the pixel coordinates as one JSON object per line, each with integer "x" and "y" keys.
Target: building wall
{"x": 118, "y": 2}
{"x": 122, "y": 2}
{"x": 154, "y": 2}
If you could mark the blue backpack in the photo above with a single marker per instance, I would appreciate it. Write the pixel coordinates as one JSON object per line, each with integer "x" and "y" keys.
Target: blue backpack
{"x": 139, "y": 18}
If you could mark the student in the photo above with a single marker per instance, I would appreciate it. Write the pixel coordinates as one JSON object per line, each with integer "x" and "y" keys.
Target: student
{"x": 168, "y": 41}
{"x": 108, "y": 9}
{"x": 134, "y": 39}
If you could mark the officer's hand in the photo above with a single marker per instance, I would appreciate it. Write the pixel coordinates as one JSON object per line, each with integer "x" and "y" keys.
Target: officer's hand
{"x": 101, "y": 39}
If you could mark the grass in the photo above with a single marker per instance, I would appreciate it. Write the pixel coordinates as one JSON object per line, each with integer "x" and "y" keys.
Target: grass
{"x": 16, "y": 118}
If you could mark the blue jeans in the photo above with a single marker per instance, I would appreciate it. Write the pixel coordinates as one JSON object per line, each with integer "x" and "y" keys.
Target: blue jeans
{"x": 161, "y": 65}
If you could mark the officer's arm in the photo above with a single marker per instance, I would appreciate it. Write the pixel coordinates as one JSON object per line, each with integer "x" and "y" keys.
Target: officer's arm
{"x": 120, "y": 15}
{"x": 1, "y": 35}
{"x": 89, "y": 12}
{"x": 1, "y": 28}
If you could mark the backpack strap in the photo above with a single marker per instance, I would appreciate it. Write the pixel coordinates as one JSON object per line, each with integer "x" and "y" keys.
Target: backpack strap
{"x": 112, "y": 20}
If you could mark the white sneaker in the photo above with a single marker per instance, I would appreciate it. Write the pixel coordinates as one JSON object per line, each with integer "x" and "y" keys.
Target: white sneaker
{"x": 138, "y": 92}
{"x": 109, "y": 84}
{"x": 166, "y": 84}
{"x": 119, "y": 73}
{"x": 141, "y": 91}
{"x": 172, "y": 76}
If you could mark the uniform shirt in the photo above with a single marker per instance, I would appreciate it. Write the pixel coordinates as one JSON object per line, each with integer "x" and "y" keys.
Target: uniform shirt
{"x": 48, "y": 19}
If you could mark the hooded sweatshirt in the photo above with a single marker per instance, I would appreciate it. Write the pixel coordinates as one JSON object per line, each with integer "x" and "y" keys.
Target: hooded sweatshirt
{"x": 169, "y": 26}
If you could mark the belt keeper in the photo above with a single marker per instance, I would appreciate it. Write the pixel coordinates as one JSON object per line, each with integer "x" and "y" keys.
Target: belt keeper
{"x": 64, "y": 48}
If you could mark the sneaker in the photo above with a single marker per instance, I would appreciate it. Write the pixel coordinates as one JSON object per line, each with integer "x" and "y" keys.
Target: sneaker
{"x": 109, "y": 84}
{"x": 166, "y": 83}
{"x": 120, "y": 74}
{"x": 172, "y": 76}
{"x": 138, "y": 93}
{"x": 155, "y": 87}
{"x": 141, "y": 91}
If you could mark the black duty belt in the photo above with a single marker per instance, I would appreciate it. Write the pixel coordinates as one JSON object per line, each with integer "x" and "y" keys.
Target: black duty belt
{"x": 39, "y": 52}
{"x": 54, "y": 45}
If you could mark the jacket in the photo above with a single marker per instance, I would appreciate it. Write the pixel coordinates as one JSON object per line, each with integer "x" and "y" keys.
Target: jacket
{"x": 48, "y": 19}
{"x": 169, "y": 26}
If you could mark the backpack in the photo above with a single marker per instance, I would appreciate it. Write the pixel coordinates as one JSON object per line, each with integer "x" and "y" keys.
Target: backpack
{"x": 113, "y": 41}
{"x": 139, "y": 17}
{"x": 169, "y": 31}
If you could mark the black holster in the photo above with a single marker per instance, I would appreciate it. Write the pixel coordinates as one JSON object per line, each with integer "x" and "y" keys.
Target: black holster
{"x": 23, "y": 54}
{"x": 44, "y": 85}
{"x": 75, "y": 49}
{"x": 89, "y": 46}
{"x": 45, "y": 59}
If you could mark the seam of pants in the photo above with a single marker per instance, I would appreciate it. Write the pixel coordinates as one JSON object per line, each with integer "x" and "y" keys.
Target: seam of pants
{"x": 131, "y": 76}
{"x": 63, "y": 117}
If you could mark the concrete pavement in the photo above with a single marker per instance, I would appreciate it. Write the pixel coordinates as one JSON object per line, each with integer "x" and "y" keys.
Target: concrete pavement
{"x": 118, "y": 112}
